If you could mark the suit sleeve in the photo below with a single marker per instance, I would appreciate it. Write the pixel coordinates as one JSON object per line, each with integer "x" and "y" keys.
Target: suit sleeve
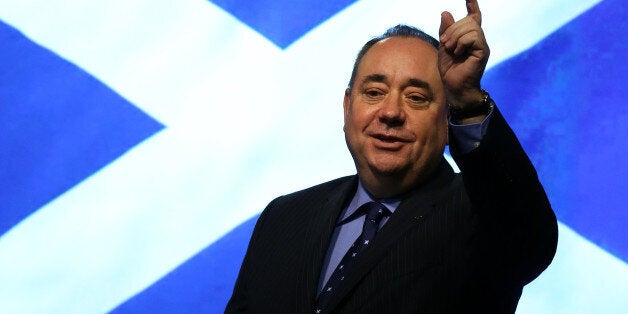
{"x": 516, "y": 220}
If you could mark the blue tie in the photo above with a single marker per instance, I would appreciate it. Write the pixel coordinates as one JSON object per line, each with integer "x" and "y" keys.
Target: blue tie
{"x": 374, "y": 214}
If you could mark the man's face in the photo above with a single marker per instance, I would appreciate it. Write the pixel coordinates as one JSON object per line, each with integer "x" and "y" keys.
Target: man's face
{"x": 395, "y": 114}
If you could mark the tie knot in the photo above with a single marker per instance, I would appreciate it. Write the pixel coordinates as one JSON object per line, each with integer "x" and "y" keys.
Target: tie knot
{"x": 375, "y": 211}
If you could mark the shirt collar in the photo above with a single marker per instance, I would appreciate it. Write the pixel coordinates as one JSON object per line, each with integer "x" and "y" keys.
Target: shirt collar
{"x": 361, "y": 197}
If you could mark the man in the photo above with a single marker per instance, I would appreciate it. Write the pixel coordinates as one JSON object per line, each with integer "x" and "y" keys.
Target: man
{"x": 432, "y": 241}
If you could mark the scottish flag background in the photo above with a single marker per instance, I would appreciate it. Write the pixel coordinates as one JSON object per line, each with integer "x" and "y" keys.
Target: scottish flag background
{"x": 139, "y": 140}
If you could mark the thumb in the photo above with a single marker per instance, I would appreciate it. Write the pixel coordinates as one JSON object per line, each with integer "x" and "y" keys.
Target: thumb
{"x": 446, "y": 20}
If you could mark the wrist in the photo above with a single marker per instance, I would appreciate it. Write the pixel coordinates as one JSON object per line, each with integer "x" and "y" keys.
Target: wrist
{"x": 472, "y": 110}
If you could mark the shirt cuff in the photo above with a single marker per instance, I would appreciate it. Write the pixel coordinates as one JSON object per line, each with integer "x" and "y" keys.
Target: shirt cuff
{"x": 469, "y": 136}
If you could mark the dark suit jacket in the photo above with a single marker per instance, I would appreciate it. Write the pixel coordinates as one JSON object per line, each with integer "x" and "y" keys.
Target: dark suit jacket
{"x": 456, "y": 244}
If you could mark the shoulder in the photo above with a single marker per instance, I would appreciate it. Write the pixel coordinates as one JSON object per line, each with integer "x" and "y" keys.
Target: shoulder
{"x": 292, "y": 214}
{"x": 319, "y": 191}
{"x": 307, "y": 203}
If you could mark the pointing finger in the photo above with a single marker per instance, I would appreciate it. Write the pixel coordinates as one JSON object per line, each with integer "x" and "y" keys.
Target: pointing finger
{"x": 473, "y": 10}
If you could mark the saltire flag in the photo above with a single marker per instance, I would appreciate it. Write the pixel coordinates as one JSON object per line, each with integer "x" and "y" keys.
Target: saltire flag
{"x": 139, "y": 140}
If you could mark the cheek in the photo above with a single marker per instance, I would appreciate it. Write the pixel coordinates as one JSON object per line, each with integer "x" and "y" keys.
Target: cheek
{"x": 431, "y": 128}
{"x": 358, "y": 120}
{"x": 352, "y": 130}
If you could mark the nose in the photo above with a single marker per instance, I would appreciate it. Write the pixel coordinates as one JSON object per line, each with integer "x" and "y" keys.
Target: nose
{"x": 392, "y": 112}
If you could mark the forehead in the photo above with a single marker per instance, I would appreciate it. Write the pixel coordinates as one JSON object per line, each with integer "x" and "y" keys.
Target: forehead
{"x": 401, "y": 57}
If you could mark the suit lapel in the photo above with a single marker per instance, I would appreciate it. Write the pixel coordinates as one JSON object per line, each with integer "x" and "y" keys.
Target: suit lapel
{"x": 319, "y": 234}
{"x": 408, "y": 215}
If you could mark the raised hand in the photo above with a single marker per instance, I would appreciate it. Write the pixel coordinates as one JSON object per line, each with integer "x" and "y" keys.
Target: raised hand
{"x": 462, "y": 56}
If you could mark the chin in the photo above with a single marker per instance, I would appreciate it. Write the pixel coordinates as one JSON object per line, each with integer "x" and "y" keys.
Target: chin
{"x": 388, "y": 169}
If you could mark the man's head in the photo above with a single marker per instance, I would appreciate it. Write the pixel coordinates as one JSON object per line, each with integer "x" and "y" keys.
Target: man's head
{"x": 395, "y": 111}
{"x": 395, "y": 31}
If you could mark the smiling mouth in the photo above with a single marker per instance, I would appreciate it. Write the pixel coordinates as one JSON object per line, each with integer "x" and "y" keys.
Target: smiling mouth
{"x": 389, "y": 139}
{"x": 389, "y": 143}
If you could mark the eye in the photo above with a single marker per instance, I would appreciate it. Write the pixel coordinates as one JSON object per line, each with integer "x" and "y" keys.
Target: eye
{"x": 374, "y": 93}
{"x": 418, "y": 98}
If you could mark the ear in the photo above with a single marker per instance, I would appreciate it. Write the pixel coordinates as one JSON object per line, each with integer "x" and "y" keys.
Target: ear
{"x": 346, "y": 102}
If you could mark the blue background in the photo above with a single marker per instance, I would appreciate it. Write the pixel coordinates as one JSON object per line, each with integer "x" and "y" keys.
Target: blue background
{"x": 563, "y": 96}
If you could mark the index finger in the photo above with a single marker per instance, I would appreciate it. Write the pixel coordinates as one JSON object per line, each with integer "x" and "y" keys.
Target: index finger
{"x": 473, "y": 10}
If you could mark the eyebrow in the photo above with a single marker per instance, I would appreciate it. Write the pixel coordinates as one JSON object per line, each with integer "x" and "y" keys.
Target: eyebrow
{"x": 414, "y": 82}
{"x": 379, "y": 78}
{"x": 419, "y": 83}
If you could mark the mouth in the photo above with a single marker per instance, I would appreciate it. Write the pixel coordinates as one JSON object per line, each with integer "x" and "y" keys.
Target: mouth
{"x": 389, "y": 142}
{"x": 388, "y": 139}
